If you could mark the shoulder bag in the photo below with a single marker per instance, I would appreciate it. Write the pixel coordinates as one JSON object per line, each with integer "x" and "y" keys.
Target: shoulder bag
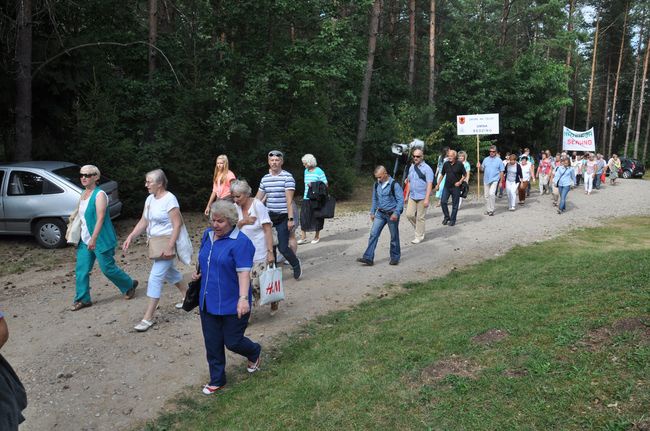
{"x": 156, "y": 244}
{"x": 73, "y": 231}
{"x": 191, "y": 300}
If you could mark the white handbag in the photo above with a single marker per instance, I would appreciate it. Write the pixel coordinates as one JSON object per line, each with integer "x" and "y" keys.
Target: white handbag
{"x": 73, "y": 231}
{"x": 271, "y": 288}
{"x": 184, "y": 249}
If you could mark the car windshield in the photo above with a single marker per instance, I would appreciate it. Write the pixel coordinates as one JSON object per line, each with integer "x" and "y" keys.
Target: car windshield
{"x": 71, "y": 173}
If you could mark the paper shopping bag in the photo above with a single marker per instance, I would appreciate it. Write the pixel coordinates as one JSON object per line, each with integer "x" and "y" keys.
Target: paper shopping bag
{"x": 271, "y": 288}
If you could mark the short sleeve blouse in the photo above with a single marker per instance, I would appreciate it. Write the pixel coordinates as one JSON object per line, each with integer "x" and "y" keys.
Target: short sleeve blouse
{"x": 156, "y": 211}
{"x": 223, "y": 190}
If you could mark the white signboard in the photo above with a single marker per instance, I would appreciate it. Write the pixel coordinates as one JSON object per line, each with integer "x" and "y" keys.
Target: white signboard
{"x": 482, "y": 124}
{"x": 578, "y": 141}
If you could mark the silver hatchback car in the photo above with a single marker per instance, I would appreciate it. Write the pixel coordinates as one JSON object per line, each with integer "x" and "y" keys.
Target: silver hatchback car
{"x": 36, "y": 198}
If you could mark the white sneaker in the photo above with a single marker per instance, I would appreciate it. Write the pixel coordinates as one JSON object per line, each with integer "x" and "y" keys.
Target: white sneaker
{"x": 178, "y": 305}
{"x": 417, "y": 241}
{"x": 512, "y": 208}
{"x": 143, "y": 325}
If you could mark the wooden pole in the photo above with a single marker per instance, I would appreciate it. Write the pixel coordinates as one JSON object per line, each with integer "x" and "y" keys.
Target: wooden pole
{"x": 478, "y": 171}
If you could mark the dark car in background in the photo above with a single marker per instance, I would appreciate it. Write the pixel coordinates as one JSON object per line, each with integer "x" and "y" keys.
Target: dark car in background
{"x": 631, "y": 168}
{"x": 36, "y": 198}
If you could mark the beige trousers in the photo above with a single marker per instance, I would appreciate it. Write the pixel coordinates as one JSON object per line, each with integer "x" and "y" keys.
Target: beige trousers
{"x": 415, "y": 213}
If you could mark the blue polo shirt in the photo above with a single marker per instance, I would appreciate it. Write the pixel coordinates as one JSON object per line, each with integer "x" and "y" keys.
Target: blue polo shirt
{"x": 417, "y": 187}
{"x": 492, "y": 167}
{"x": 220, "y": 260}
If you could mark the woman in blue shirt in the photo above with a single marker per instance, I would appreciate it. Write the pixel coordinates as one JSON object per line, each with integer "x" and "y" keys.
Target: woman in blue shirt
{"x": 225, "y": 261}
{"x": 564, "y": 177}
{"x": 308, "y": 222}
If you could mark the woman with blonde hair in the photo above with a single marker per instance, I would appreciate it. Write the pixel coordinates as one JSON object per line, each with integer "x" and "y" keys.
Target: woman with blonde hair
{"x": 221, "y": 180}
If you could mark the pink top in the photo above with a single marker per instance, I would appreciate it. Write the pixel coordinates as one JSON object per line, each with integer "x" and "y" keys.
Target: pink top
{"x": 545, "y": 166}
{"x": 223, "y": 190}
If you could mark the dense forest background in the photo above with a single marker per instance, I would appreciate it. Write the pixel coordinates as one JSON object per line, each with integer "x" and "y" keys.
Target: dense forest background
{"x": 135, "y": 85}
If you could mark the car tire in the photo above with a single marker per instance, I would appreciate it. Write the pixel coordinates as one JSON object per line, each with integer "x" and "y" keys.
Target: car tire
{"x": 50, "y": 233}
{"x": 627, "y": 175}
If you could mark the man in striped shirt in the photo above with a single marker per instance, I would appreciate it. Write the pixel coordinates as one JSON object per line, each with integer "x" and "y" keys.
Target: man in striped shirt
{"x": 279, "y": 186}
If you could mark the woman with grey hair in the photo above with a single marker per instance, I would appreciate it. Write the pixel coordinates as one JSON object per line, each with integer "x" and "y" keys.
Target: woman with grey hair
{"x": 315, "y": 180}
{"x": 162, "y": 221}
{"x": 98, "y": 241}
{"x": 225, "y": 261}
{"x": 255, "y": 223}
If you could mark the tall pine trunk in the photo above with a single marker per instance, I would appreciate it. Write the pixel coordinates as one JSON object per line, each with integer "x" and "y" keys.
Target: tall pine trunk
{"x": 563, "y": 109}
{"x": 604, "y": 123}
{"x": 618, "y": 75}
{"x": 593, "y": 74}
{"x": 23, "y": 144}
{"x": 367, "y": 80}
{"x": 632, "y": 97}
{"x": 432, "y": 61}
{"x": 645, "y": 143}
{"x": 153, "y": 36}
{"x": 641, "y": 97}
{"x": 411, "y": 75}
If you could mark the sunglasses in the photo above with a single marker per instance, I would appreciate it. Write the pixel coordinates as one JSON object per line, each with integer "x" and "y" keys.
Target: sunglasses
{"x": 492, "y": 151}
{"x": 276, "y": 154}
{"x": 86, "y": 175}
{"x": 417, "y": 157}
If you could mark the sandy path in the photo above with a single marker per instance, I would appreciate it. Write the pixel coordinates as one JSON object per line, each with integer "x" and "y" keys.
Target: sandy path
{"x": 91, "y": 371}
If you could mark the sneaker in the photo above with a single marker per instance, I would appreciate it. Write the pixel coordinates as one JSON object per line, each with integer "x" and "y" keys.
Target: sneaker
{"x": 178, "y": 305}
{"x": 451, "y": 223}
{"x": 254, "y": 366}
{"x": 209, "y": 390}
{"x": 365, "y": 261}
{"x": 491, "y": 213}
{"x": 445, "y": 220}
{"x": 297, "y": 271}
{"x": 394, "y": 262}
{"x": 302, "y": 241}
{"x": 143, "y": 326}
{"x": 512, "y": 208}
{"x": 416, "y": 241}
{"x": 131, "y": 292}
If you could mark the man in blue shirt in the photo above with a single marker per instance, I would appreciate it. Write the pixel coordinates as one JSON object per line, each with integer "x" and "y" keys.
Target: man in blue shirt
{"x": 492, "y": 167}
{"x": 387, "y": 205}
{"x": 420, "y": 178}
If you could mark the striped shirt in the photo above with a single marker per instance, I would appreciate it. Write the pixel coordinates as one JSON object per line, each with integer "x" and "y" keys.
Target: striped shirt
{"x": 274, "y": 187}
{"x": 312, "y": 177}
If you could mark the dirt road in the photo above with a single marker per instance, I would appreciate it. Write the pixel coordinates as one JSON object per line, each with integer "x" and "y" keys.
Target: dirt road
{"x": 90, "y": 370}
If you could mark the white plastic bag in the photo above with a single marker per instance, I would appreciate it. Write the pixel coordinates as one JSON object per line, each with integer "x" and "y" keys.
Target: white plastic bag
{"x": 271, "y": 288}
{"x": 184, "y": 249}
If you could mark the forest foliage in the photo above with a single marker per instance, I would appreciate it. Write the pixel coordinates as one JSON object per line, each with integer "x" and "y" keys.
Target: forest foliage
{"x": 244, "y": 77}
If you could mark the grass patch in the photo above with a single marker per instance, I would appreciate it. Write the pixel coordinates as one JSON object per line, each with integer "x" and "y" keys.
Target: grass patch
{"x": 557, "y": 337}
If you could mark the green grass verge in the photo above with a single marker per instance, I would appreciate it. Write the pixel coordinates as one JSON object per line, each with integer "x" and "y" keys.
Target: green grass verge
{"x": 576, "y": 354}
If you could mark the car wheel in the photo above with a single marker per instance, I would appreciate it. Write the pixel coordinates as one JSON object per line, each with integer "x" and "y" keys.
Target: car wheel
{"x": 50, "y": 233}
{"x": 627, "y": 174}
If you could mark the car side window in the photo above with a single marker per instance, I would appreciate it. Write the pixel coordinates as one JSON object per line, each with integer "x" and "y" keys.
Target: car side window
{"x": 23, "y": 183}
{"x": 2, "y": 177}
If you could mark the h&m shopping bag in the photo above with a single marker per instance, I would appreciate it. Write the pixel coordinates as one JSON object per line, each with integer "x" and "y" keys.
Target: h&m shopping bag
{"x": 271, "y": 288}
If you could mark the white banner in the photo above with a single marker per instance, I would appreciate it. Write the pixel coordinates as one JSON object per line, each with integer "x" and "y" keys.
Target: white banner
{"x": 483, "y": 124}
{"x": 578, "y": 141}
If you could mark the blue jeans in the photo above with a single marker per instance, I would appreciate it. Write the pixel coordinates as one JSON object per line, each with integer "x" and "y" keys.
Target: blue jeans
{"x": 597, "y": 181}
{"x": 282, "y": 229}
{"x": 455, "y": 199}
{"x": 221, "y": 332}
{"x": 564, "y": 191}
{"x": 378, "y": 224}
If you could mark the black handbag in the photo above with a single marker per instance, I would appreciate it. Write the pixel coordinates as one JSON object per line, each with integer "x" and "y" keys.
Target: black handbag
{"x": 191, "y": 300}
{"x": 464, "y": 189}
{"x": 327, "y": 209}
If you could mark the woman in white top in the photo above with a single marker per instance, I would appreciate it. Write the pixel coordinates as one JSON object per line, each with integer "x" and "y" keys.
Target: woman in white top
{"x": 527, "y": 175}
{"x": 255, "y": 223}
{"x": 161, "y": 218}
{"x": 589, "y": 169}
{"x": 98, "y": 241}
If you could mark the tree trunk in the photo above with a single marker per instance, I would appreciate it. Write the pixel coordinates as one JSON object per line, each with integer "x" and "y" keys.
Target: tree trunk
{"x": 632, "y": 97}
{"x": 153, "y": 36}
{"x": 23, "y": 145}
{"x": 645, "y": 143}
{"x": 411, "y": 76}
{"x": 367, "y": 80}
{"x": 507, "y": 5}
{"x": 593, "y": 73}
{"x": 575, "y": 95}
{"x": 618, "y": 75}
{"x": 603, "y": 134}
{"x": 562, "y": 114}
{"x": 432, "y": 60}
{"x": 641, "y": 97}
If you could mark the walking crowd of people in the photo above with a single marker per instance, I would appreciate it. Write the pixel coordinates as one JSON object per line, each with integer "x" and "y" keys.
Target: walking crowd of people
{"x": 249, "y": 233}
